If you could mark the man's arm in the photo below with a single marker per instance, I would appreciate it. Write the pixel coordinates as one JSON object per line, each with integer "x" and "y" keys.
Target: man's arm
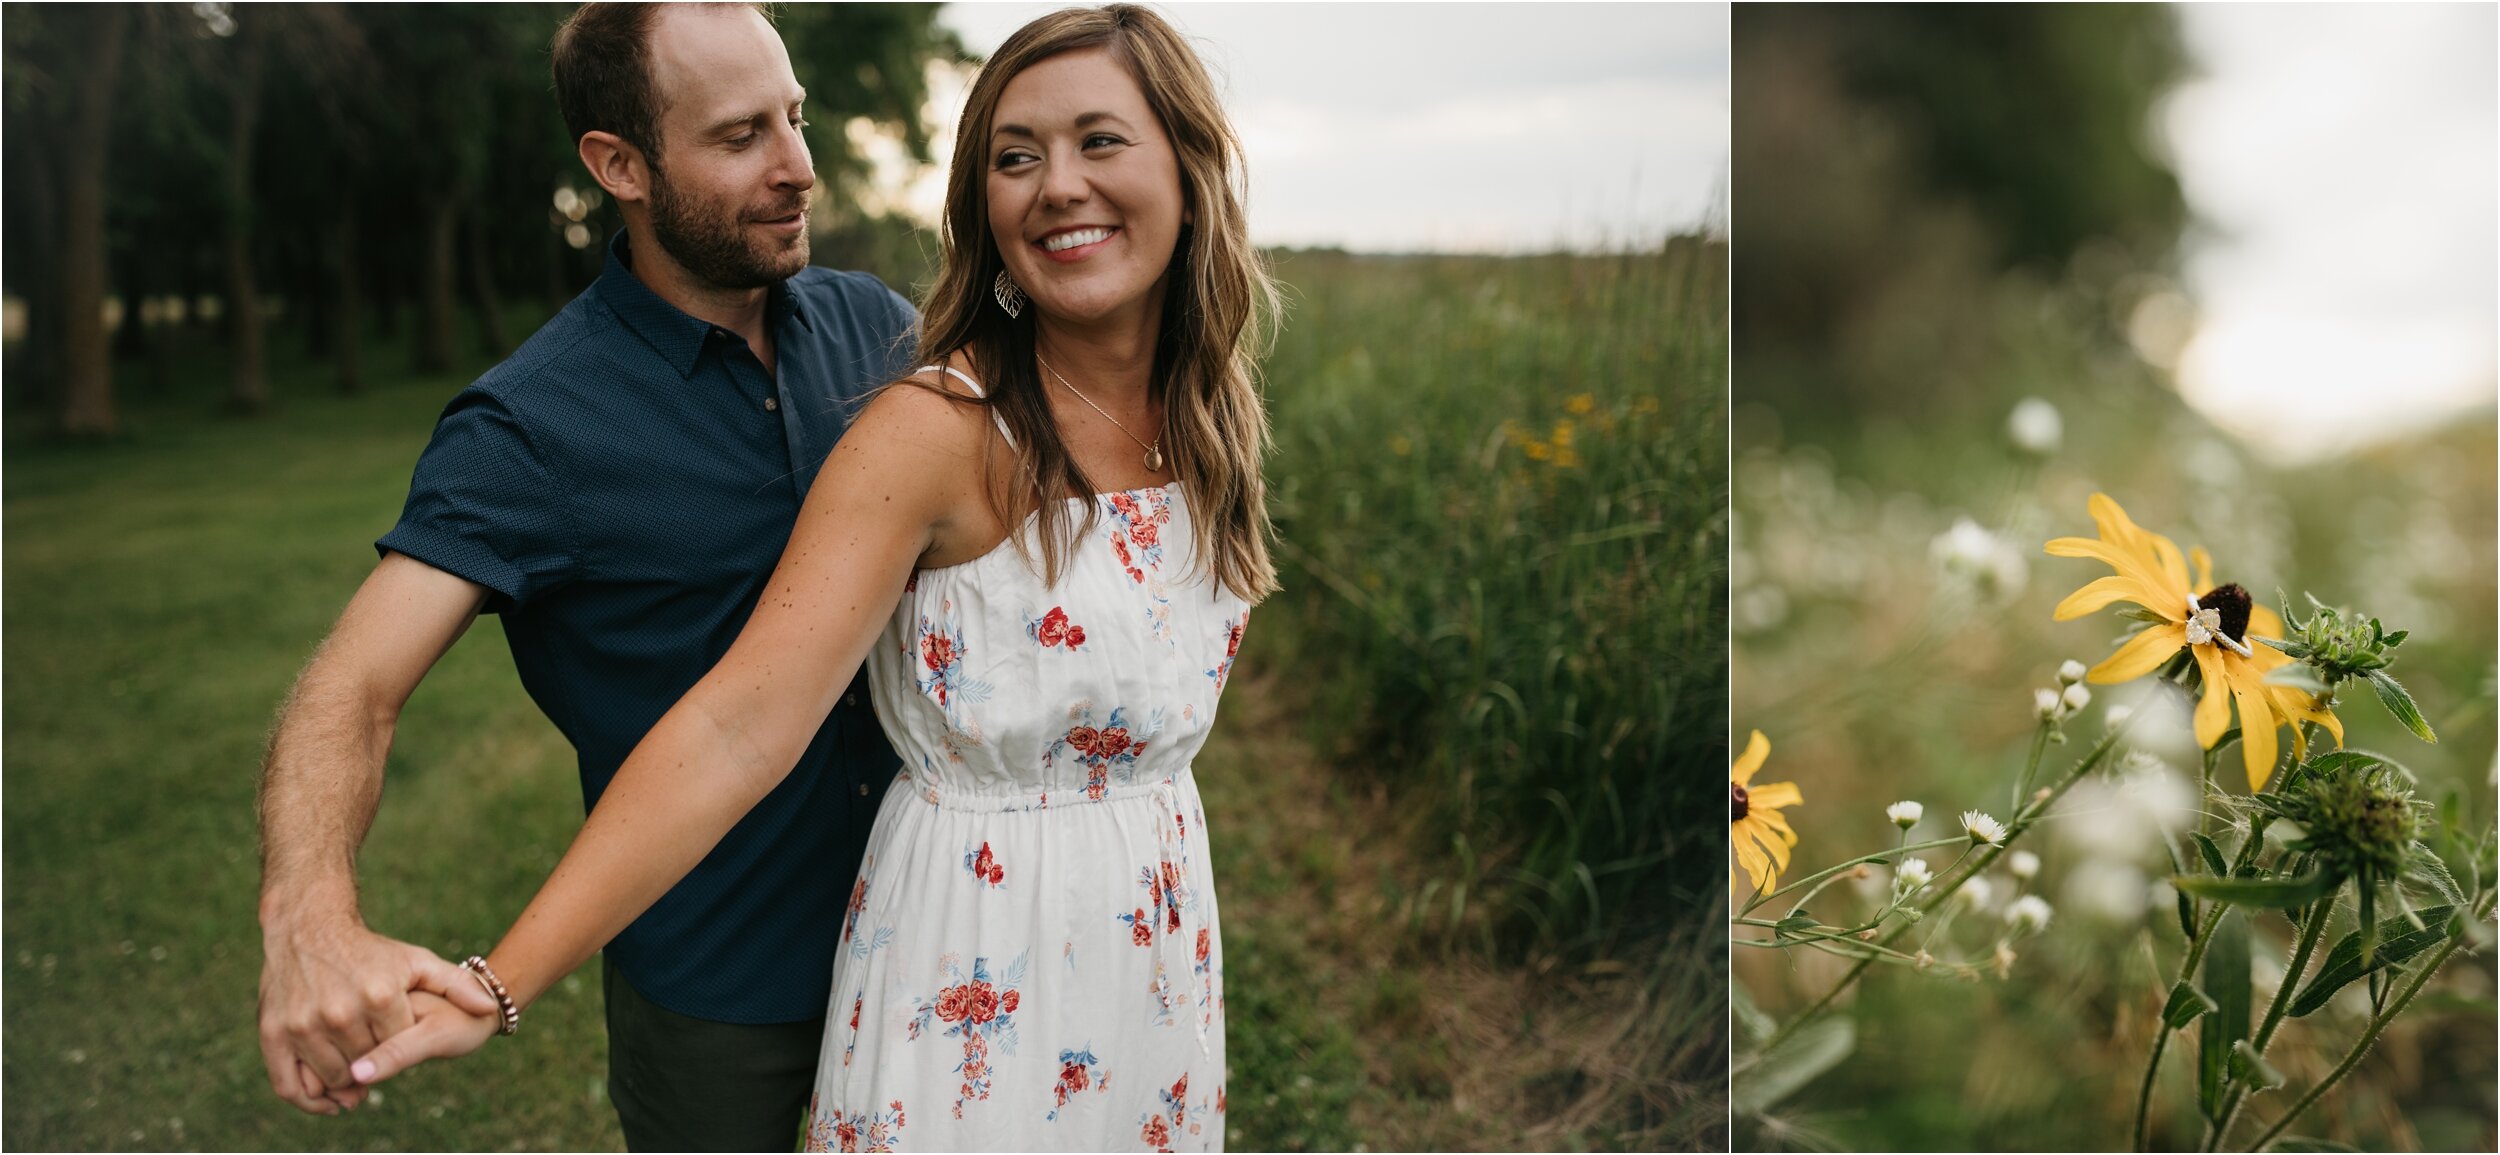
{"x": 330, "y": 989}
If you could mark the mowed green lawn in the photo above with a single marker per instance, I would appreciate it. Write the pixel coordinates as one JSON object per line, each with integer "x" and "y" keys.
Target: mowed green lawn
{"x": 161, "y": 593}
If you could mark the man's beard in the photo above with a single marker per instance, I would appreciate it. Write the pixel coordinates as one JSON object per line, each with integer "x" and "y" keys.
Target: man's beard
{"x": 711, "y": 242}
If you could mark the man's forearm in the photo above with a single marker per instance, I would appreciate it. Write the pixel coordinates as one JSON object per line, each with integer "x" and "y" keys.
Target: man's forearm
{"x": 320, "y": 786}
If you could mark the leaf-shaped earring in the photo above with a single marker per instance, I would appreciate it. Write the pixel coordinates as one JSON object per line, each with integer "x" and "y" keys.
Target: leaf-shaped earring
{"x": 1010, "y": 297}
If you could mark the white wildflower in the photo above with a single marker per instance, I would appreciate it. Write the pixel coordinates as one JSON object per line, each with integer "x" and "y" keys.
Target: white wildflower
{"x": 1914, "y": 875}
{"x": 2028, "y": 914}
{"x": 1982, "y": 829}
{"x": 2075, "y": 698}
{"x": 1905, "y": 814}
{"x": 2035, "y": 427}
{"x": 2023, "y": 864}
{"x": 2047, "y": 703}
{"x": 2070, "y": 672}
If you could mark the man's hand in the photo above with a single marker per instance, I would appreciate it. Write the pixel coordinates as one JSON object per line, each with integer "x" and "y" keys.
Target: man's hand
{"x": 443, "y": 1030}
{"x": 331, "y": 991}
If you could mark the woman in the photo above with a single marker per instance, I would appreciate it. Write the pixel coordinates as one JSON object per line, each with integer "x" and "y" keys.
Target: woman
{"x": 1031, "y": 957}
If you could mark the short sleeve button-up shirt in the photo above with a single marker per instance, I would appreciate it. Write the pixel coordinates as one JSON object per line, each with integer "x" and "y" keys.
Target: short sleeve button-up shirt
{"x": 624, "y": 484}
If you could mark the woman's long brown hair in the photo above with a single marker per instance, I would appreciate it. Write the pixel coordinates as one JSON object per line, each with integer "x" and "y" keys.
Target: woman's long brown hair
{"x": 1219, "y": 309}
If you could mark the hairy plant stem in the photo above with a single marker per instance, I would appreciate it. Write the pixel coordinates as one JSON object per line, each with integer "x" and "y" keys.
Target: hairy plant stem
{"x": 2209, "y": 917}
{"x": 2362, "y": 1046}
{"x": 2311, "y": 929}
{"x": 1954, "y": 877}
{"x": 1824, "y": 875}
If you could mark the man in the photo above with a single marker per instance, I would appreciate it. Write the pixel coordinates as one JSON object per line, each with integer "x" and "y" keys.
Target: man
{"x": 618, "y": 491}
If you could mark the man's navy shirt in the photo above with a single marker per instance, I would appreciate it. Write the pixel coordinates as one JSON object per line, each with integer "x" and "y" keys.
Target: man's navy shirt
{"x": 624, "y": 485}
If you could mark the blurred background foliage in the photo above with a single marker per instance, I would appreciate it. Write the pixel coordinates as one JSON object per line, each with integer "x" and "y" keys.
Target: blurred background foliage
{"x": 1946, "y": 219}
{"x": 1469, "y": 871}
{"x": 308, "y": 166}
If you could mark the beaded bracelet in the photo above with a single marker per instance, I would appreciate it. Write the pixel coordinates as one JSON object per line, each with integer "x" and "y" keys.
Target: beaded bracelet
{"x": 485, "y": 976}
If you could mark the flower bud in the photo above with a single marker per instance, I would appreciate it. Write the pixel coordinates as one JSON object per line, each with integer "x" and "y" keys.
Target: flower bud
{"x": 1904, "y": 814}
{"x": 2075, "y": 698}
{"x": 2028, "y": 915}
{"x": 2045, "y": 702}
{"x": 2070, "y": 672}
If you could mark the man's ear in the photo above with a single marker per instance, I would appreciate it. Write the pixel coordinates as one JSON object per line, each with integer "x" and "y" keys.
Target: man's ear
{"x": 617, "y": 165}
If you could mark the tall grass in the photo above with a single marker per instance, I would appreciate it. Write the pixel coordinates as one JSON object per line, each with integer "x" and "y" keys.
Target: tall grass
{"x": 1501, "y": 491}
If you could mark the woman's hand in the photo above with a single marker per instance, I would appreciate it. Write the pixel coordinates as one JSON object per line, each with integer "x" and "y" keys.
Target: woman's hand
{"x": 441, "y": 1031}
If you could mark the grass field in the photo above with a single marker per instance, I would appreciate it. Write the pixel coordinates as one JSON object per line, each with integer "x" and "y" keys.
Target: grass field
{"x": 163, "y": 589}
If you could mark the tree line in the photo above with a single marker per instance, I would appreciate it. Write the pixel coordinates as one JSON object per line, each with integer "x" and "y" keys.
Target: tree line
{"x": 381, "y": 168}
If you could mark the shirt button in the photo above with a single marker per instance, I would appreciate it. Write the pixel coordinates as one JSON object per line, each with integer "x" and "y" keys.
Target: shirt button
{"x": 850, "y": 699}
{"x": 863, "y": 790}
{"x": 772, "y": 405}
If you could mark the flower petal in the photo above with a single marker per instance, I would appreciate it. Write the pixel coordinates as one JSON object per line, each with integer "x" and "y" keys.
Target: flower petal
{"x": 1757, "y": 864}
{"x": 1777, "y": 823}
{"x": 2101, "y": 592}
{"x": 2258, "y": 743}
{"x": 1773, "y": 795}
{"x": 1757, "y": 748}
{"x": 2213, "y": 711}
{"x": 2204, "y": 567}
{"x": 2140, "y": 655}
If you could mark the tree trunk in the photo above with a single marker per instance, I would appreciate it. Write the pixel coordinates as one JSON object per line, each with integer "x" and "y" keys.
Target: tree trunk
{"x": 87, "y": 364}
{"x": 249, "y": 390}
{"x": 435, "y": 297}
{"x": 346, "y": 330}
{"x": 35, "y": 192}
{"x": 482, "y": 296}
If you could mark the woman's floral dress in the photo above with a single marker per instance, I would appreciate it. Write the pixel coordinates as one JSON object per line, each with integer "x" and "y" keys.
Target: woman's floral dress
{"x": 1030, "y": 959}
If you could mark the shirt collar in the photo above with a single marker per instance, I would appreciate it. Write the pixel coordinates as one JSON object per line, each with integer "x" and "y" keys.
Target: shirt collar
{"x": 675, "y": 334}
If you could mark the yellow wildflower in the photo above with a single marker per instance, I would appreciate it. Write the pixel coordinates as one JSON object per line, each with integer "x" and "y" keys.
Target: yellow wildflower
{"x": 2213, "y": 626}
{"x": 1581, "y": 403}
{"x": 1761, "y": 835}
{"x": 1539, "y": 451}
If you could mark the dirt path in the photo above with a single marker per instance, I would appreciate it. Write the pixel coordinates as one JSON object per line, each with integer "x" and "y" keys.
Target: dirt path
{"x": 1355, "y": 1025}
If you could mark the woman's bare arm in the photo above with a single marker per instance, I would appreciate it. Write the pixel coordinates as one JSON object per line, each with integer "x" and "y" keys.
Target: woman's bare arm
{"x": 895, "y": 489}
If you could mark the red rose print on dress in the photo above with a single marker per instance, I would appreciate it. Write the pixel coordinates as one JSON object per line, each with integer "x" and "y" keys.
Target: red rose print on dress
{"x": 837, "y": 1131}
{"x": 984, "y": 865}
{"x": 1109, "y": 753}
{"x": 978, "y": 1009}
{"x": 1078, "y": 1069}
{"x": 1054, "y": 629}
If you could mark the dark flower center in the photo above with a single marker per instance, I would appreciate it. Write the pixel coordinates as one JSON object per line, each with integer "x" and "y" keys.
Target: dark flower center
{"x": 2233, "y": 604}
{"x": 1738, "y": 802}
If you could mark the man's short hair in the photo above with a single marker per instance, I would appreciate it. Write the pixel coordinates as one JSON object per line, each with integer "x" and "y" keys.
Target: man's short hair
{"x": 603, "y": 73}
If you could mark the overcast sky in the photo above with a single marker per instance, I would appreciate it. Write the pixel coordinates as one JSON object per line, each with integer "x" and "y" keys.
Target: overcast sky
{"x": 2346, "y": 157}
{"x": 1452, "y": 127}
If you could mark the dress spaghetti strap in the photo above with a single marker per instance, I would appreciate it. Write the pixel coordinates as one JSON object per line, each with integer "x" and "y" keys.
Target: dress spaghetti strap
{"x": 977, "y": 391}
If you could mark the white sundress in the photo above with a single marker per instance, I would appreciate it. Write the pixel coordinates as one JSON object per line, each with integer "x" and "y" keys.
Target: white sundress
{"x": 1030, "y": 958}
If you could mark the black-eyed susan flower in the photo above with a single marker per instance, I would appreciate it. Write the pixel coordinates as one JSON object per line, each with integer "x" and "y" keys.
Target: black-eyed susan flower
{"x": 1761, "y": 836}
{"x": 2214, "y": 626}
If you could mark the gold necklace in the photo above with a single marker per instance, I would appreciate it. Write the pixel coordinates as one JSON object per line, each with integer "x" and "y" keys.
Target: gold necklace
{"x": 1154, "y": 452}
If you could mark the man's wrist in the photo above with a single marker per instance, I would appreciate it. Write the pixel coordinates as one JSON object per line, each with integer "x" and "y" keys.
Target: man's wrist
{"x": 294, "y": 908}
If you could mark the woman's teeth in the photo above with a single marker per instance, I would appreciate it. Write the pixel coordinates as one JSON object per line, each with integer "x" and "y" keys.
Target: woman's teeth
{"x": 1069, "y": 240}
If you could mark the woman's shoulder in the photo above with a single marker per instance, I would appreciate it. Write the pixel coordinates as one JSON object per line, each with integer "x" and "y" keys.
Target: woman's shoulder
{"x": 940, "y": 401}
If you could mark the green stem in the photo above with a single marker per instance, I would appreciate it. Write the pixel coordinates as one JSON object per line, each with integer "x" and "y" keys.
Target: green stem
{"x": 2161, "y": 1041}
{"x": 1953, "y": 879}
{"x": 2361, "y": 1047}
{"x": 2039, "y": 748}
{"x": 2310, "y": 931}
{"x": 1862, "y": 859}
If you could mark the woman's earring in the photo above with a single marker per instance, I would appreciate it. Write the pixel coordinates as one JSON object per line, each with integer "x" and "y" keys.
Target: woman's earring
{"x": 1010, "y": 298}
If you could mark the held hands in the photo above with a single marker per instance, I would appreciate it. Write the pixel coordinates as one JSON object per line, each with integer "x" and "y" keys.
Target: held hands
{"x": 332, "y": 992}
{"x": 442, "y": 1030}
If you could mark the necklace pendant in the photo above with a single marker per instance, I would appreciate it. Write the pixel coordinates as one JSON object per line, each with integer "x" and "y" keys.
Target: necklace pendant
{"x": 1154, "y": 457}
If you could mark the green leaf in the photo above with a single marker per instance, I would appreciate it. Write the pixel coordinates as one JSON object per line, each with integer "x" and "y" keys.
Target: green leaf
{"x": 2337, "y": 761}
{"x": 2187, "y": 906}
{"x": 2250, "y": 1069}
{"x": 2211, "y": 855}
{"x": 2297, "y": 676}
{"x": 2260, "y": 892}
{"x": 1795, "y": 924}
{"x": 2391, "y": 694}
{"x": 2399, "y": 940}
{"x": 1798, "y": 1060}
{"x": 2225, "y": 980}
{"x": 2186, "y": 1005}
{"x": 2395, "y": 639}
{"x": 2424, "y": 864}
{"x": 2295, "y": 649}
{"x": 1751, "y": 1024}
